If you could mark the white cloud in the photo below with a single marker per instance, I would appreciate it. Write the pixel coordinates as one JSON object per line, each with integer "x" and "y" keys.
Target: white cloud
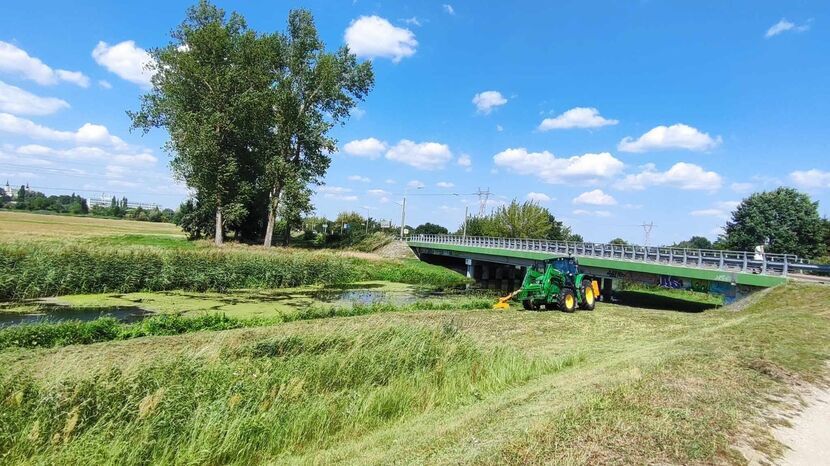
{"x": 811, "y": 179}
{"x": 445, "y": 184}
{"x": 19, "y": 102}
{"x": 337, "y": 193}
{"x": 85, "y": 153}
{"x": 486, "y": 101}
{"x": 538, "y": 197}
{"x": 333, "y": 190}
{"x": 681, "y": 175}
{"x": 448, "y": 9}
{"x": 678, "y": 136}
{"x": 370, "y": 148}
{"x": 499, "y": 128}
{"x": 593, "y": 213}
{"x": 423, "y": 156}
{"x": 783, "y": 26}
{"x": 74, "y": 77}
{"x": 87, "y": 134}
{"x": 465, "y": 161}
{"x": 595, "y": 197}
{"x": 581, "y": 168}
{"x": 373, "y": 36}
{"x": 415, "y": 184}
{"x": 104, "y": 84}
{"x": 741, "y": 187}
{"x": 359, "y": 178}
{"x": 721, "y": 209}
{"x": 390, "y": 181}
{"x": 578, "y": 117}
{"x": 413, "y": 21}
{"x": 378, "y": 192}
{"x": 14, "y": 60}
{"x": 126, "y": 60}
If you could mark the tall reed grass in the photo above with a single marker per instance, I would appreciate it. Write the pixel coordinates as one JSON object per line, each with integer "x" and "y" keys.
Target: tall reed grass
{"x": 37, "y": 270}
{"x": 257, "y": 403}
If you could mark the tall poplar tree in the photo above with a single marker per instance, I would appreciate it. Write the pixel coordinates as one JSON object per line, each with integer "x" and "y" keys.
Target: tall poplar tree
{"x": 313, "y": 91}
{"x": 212, "y": 92}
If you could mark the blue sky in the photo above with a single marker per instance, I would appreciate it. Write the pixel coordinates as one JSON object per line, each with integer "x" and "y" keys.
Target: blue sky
{"x": 609, "y": 113}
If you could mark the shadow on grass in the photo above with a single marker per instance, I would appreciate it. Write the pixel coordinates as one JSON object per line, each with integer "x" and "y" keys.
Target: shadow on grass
{"x": 646, "y": 300}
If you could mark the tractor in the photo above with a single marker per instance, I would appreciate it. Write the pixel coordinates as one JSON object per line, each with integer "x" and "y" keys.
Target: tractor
{"x": 555, "y": 283}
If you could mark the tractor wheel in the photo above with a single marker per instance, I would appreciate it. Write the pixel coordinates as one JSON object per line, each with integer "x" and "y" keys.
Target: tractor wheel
{"x": 567, "y": 300}
{"x": 589, "y": 300}
{"x": 529, "y": 306}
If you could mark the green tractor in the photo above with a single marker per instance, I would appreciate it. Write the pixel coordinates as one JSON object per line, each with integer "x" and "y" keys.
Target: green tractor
{"x": 555, "y": 283}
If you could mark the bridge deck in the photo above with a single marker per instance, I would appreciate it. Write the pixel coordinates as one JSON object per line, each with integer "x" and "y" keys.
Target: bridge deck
{"x": 698, "y": 265}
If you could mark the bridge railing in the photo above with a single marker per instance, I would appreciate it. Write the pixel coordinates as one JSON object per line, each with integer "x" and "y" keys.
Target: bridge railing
{"x": 737, "y": 261}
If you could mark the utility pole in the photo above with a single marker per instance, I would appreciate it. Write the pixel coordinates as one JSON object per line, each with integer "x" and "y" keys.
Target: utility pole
{"x": 367, "y": 218}
{"x": 466, "y": 216}
{"x": 647, "y": 231}
{"x": 403, "y": 209}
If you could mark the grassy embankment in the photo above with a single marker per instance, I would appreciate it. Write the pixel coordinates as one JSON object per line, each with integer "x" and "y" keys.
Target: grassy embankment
{"x": 617, "y": 385}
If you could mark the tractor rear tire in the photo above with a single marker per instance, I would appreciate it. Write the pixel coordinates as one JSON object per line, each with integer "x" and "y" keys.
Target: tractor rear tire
{"x": 567, "y": 300}
{"x": 529, "y": 306}
{"x": 589, "y": 301}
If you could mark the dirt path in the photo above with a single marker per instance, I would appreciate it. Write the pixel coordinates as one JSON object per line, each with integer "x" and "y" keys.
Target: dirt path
{"x": 808, "y": 440}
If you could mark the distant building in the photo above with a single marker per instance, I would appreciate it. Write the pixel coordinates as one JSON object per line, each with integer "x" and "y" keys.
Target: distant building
{"x": 8, "y": 191}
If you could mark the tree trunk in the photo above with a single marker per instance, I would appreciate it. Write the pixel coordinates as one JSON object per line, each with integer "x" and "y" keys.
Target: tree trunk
{"x": 273, "y": 205}
{"x": 219, "y": 235}
{"x": 286, "y": 239}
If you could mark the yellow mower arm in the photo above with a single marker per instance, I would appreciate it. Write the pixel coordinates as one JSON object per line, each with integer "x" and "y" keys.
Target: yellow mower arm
{"x": 502, "y": 304}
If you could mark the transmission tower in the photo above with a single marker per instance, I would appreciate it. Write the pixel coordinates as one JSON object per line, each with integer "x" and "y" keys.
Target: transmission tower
{"x": 647, "y": 231}
{"x": 483, "y": 197}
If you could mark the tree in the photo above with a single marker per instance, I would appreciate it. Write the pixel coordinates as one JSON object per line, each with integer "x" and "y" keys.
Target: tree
{"x": 695, "y": 242}
{"x": 526, "y": 220}
{"x": 785, "y": 220}
{"x": 430, "y": 229}
{"x": 347, "y": 222}
{"x": 211, "y": 91}
{"x": 313, "y": 91}
{"x": 519, "y": 220}
{"x": 619, "y": 242}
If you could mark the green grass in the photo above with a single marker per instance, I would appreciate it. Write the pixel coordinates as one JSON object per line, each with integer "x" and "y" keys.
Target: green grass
{"x": 158, "y": 241}
{"x": 73, "y": 332}
{"x": 267, "y": 399}
{"x": 38, "y": 270}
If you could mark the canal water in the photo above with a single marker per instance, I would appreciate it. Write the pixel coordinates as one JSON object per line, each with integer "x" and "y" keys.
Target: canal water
{"x": 57, "y": 313}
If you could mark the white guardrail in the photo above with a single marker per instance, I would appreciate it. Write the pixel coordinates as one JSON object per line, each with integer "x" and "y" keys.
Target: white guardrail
{"x": 738, "y": 261}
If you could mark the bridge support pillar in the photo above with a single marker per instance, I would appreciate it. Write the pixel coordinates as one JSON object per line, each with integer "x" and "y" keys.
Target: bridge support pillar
{"x": 470, "y": 268}
{"x": 607, "y": 289}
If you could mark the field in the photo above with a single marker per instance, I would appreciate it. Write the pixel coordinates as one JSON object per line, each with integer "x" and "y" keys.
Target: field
{"x": 439, "y": 380}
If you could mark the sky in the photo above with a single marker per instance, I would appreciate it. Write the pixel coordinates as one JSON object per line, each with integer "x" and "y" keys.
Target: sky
{"x": 611, "y": 114}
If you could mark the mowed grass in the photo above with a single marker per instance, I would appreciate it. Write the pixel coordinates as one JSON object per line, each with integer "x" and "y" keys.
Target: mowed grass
{"x": 24, "y": 226}
{"x": 618, "y": 385}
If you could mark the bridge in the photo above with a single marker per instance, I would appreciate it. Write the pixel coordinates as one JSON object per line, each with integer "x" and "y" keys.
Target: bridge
{"x": 499, "y": 262}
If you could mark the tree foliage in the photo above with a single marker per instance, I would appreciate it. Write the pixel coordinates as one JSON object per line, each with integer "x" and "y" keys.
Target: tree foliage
{"x": 520, "y": 220}
{"x": 313, "y": 90}
{"x": 695, "y": 242}
{"x": 429, "y": 229}
{"x": 248, "y": 117}
{"x": 785, "y": 220}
